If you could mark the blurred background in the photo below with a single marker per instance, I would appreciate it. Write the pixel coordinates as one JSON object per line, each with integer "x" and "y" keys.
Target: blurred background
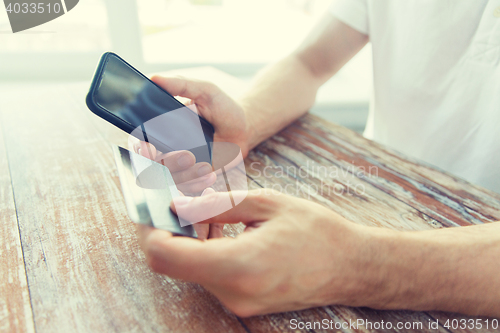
{"x": 238, "y": 37}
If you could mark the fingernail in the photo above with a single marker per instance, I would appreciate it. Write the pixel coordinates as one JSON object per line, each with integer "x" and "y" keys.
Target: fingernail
{"x": 208, "y": 190}
{"x": 204, "y": 170}
{"x": 204, "y": 178}
{"x": 182, "y": 201}
{"x": 139, "y": 151}
{"x": 184, "y": 161}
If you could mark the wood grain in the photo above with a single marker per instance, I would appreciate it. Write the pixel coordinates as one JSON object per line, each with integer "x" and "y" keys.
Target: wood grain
{"x": 446, "y": 198}
{"x": 15, "y": 306}
{"x": 85, "y": 270}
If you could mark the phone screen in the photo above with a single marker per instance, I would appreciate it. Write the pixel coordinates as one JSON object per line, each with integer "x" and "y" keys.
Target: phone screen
{"x": 148, "y": 112}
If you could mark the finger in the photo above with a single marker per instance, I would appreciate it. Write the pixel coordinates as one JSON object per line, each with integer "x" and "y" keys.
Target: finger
{"x": 183, "y": 257}
{"x": 184, "y": 100}
{"x": 189, "y": 103}
{"x": 193, "y": 107}
{"x": 217, "y": 207}
{"x": 189, "y": 88}
{"x": 193, "y": 174}
{"x": 145, "y": 149}
{"x": 202, "y": 230}
{"x": 215, "y": 231}
{"x": 177, "y": 160}
{"x": 142, "y": 232}
{"x": 198, "y": 184}
{"x": 208, "y": 190}
{"x": 253, "y": 226}
{"x": 133, "y": 143}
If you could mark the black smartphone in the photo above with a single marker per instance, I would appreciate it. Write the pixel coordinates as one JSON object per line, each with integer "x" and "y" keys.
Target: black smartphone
{"x": 124, "y": 97}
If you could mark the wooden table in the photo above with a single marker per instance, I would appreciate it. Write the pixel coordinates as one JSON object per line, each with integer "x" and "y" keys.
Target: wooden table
{"x": 69, "y": 259}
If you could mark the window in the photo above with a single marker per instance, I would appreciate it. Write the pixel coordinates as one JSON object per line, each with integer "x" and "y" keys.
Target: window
{"x": 239, "y": 36}
{"x": 224, "y": 32}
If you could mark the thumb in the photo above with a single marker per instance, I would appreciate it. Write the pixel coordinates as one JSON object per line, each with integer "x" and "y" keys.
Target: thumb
{"x": 181, "y": 257}
{"x": 145, "y": 149}
{"x": 198, "y": 91}
{"x": 218, "y": 207}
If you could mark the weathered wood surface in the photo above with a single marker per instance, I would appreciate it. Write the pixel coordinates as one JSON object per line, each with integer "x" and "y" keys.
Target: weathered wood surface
{"x": 85, "y": 270}
{"x": 15, "y": 306}
{"x": 82, "y": 263}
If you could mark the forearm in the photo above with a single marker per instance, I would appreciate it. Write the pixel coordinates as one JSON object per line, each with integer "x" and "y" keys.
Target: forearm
{"x": 285, "y": 91}
{"x": 280, "y": 94}
{"x": 453, "y": 269}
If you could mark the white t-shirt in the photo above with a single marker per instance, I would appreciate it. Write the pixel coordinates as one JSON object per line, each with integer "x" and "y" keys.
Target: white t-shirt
{"x": 436, "y": 70}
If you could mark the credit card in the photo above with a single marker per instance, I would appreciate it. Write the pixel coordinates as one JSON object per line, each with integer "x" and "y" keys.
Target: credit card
{"x": 148, "y": 189}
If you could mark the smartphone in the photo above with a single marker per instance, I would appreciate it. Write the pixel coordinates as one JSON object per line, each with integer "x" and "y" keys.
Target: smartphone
{"x": 124, "y": 97}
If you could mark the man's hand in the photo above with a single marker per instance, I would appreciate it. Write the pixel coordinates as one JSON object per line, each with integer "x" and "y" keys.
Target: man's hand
{"x": 210, "y": 102}
{"x": 297, "y": 254}
{"x": 230, "y": 125}
{"x": 294, "y": 254}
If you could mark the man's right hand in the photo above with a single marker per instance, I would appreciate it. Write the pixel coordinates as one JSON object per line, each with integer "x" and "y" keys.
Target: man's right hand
{"x": 209, "y": 101}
